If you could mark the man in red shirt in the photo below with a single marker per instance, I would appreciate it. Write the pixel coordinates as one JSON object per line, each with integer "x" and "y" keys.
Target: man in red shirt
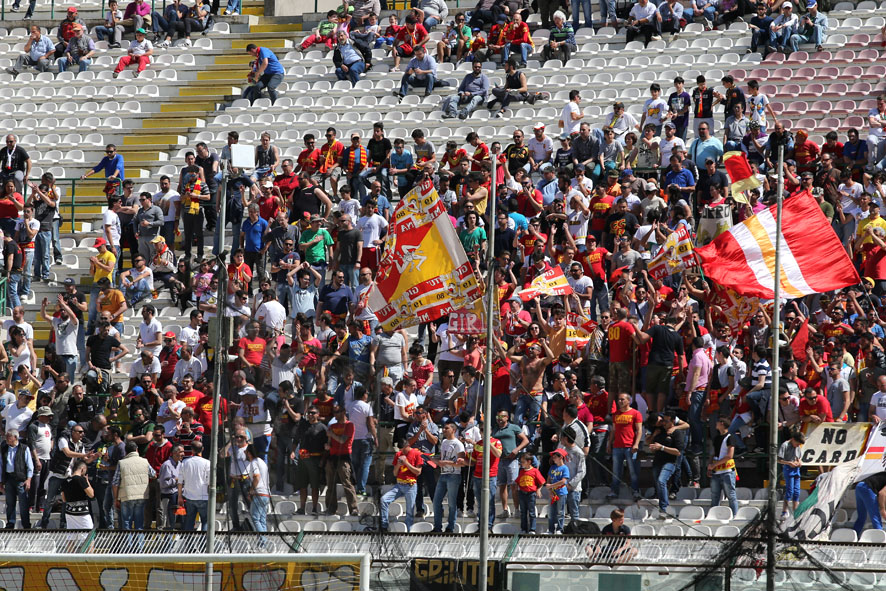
{"x": 477, "y": 480}
{"x": 593, "y": 262}
{"x": 308, "y": 159}
{"x": 599, "y": 405}
{"x": 622, "y": 335}
{"x": 204, "y": 413}
{"x": 168, "y": 358}
{"x": 188, "y": 394}
{"x": 330, "y": 154}
{"x": 601, "y": 207}
{"x": 250, "y": 351}
{"x": 814, "y": 409}
{"x": 407, "y": 467}
{"x": 338, "y": 462}
{"x": 412, "y": 35}
{"x": 518, "y": 39}
{"x": 806, "y": 152}
{"x": 627, "y": 425}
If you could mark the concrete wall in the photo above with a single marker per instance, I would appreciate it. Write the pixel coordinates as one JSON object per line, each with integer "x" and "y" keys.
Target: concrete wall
{"x": 299, "y": 7}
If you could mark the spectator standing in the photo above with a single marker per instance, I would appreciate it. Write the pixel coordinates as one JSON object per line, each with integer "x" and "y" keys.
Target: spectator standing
{"x": 267, "y": 73}
{"x": 407, "y": 466}
{"x": 15, "y": 479}
{"x": 193, "y": 487}
{"x": 130, "y": 486}
{"x": 721, "y": 468}
{"x": 338, "y": 462}
{"x": 77, "y": 494}
{"x": 789, "y": 458}
{"x": 259, "y": 489}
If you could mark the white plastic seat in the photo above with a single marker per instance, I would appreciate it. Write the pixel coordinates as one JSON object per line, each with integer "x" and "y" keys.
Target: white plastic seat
{"x": 719, "y": 513}
{"x": 844, "y": 534}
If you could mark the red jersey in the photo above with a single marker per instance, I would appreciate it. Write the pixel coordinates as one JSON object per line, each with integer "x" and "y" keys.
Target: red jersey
{"x": 309, "y": 160}
{"x": 477, "y": 458}
{"x": 620, "y": 339}
{"x": 157, "y": 454}
{"x": 874, "y": 261}
{"x": 204, "y": 411}
{"x": 324, "y": 408}
{"x": 820, "y": 407}
{"x": 422, "y": 373}
{"x": 584, "y": 414}
{"x": 253, "y": 349}
{"x": 191, "y": 399}
{"x": 268, "y": 208}
{"x": 805, "y": 153}
{"x": 626, "y": 425}
{"x": 242, "y": 273}
{"x": 411, "y": 38}
{"x": 454, "y": 158}
{"x": 501, "y": 376}
{"x": 527, "y": 241}
{"x": 403, "y": 474}
{"x": 308, "y": 361}
{"x": 288, "y": 184}
{"x": 597, "y": 404}
{"x": 481, "y": 154}
{"x": 836, "y": 150}
{"x": 593, "y": 263}
{"x": 830, "y": 329}
{"x": 600, "y": 207}
{"x": 329, "y": 155}
{"x": 345, "y": 430}
{"x": 530, "y": 480}
{"x": 523, "y": 198}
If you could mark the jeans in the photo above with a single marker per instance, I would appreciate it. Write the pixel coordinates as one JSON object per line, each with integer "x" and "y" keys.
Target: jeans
{"x": 607, "y": 12}
{"x": 233, "y": 6}
{"x": 527, "y": 512}
{"x": 781, "y": 38}
{"x": 427, "y": 484}
{"x": 696, "y": 426}
{"x": 83, "y": 64}
{"x": 193, "y": 226}
{"x": 478, "y": 492}
{"x": 353, "y": 74}
{"x": 791, "y": 483}
{"x": 734, "y": 427}
{"x": 447, "y": 486}
{"x": 24, "y": 289}
{"x": 408, "y": 492}
{"x": 381, "y": 174}
{"x": 414, "y": 81}
{"x": 70, "y": 366}
{"x": 451, "y": 104}
{"x": 358, "y": 186}
{"x": 600, "y": 298}
{"x": 525, "y": 48}
{"x": 16, "y": 494}
{"x": 132, "y": 514}
{"x": 572, "y": 501}
{"x": 708, "y": 12}
{"x": 866, "y": 503}
{"x": 12, "y": 290}
{"x": 192, "y": 509}
{"x": 262, "y": 444}
{"x": 269, "y": 81}
{"x": 258, "y": 510}
{"x": 759, "y": 400}
{"x": 620, "y": 455}
{"x": 116, "y": 34}
{"x": 361, "y": 458}
{"x": 137, "y": 291}
{"x": 724, "y": 482}
{"x": 53, "y": 488}
{"x": 758, "y": 38}
{"x": 43, "y": 254}
{"x": 816, "y": 38}
{"x": 431, "y": 22}
{"x": 585, "y": 6}
{"x": 555, "y": 515}
{"x": 661, "y": 475}
{"x": 527, "y": 409}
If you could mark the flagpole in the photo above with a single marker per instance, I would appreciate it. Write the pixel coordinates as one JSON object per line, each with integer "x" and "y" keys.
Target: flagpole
{"x": 773, "y": 393}
{"x": 491, "y": 292}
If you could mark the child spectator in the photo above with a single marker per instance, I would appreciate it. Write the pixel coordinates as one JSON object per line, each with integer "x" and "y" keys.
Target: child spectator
{"x": 789, "y": 458}
{"x": 558, "y": 476}
{"x": 529, "y": 481}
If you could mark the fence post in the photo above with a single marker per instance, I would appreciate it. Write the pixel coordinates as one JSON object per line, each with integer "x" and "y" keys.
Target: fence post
{"x": 3, "y": 10}
{"x": 73, "y": 205}
{"x": 52, "y": 10}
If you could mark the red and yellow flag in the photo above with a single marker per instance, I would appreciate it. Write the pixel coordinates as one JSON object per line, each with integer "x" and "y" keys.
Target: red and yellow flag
{"x": 425, "y": 272}
{"x": 739, "y": 170}
{"x": 551, "y": 282}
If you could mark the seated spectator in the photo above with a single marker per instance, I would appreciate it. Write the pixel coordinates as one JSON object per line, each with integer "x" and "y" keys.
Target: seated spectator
{"x": 66, "y": 30}
{"x": 267, "y": 73}
{"x": 79, "y": 51}
{"x": 457, "y": 38}
{"x": 487, "y": 12}
{"x": 171, "y": 21}
{"x": 781, "y": 29}
{"x": 137, "y": 15}
{"x": 470, "y": 94}
{"x": 813, "y": 28}
{"x": 515, "y": 89}
{"x": 39, "y": 49}
{"x": 140, "y": 52}
{"x": 644, "y": 20}
{"x": 706, "y": 10}
{"x": 349, "y": 63}
{"x": 519, "y": 38}
{"x": 412, "y": 36}
{"x": 434, "y": 12}
{"x": 421, "y": 71}
{"x": 759, "y": 27}
{"x": 325, "y": 33}
{"x": 670, "y": 12}
{"x": 562, "y": 40}
{"x": 138, "y": 282}
{"x": 113, "y": 28}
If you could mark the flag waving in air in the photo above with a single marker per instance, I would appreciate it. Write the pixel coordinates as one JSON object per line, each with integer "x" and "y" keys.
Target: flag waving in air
{"x": 425, "y": 272}
{"x": 740, "y": 173}
{"x": 674, "y": 257}
{"x": 551, "y": 282}
{"x": 812, "y": 258}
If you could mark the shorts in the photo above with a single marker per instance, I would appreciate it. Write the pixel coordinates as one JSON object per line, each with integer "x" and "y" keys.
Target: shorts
{"x": 308, "y": 473}
{"x": 508, "y": 470}
{"x": 334, "y": 173}
{"x": 658, "y": 379}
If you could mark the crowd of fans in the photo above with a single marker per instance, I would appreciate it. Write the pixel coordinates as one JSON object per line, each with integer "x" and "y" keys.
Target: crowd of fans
{"x": 316, "y": 386}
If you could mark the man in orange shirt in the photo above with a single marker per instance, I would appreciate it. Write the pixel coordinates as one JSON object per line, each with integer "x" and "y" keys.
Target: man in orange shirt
{"x": 330, "y": 154}
{"x": 518, "y": 39}
{"x": 338, "y": 462}
{"x": 250, "y": 351}
{"x": 308, "y": 159}
{"x": 407, "y": 467}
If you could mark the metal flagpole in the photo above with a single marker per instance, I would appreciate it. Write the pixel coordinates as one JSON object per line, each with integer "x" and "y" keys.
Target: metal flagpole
{"x": 218, "y": 374}
{"x": 491, "y": 292}
{"x": 771, "y": 522}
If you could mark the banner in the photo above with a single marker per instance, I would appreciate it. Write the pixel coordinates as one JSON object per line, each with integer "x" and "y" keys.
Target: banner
{"x": 739, "y": 170}
{"x": 714, "y": 221}
{"x": 675, "y": 256}
{"x": 830, "y": 444}
{"x": 425, "y": 273}
{"x": 471, "y": 320}
{"x": 578, "y": 332}
{"x": 445, "y": 574}
{"x": 874, "y": 459}
{"x": 737, "y": 308}
{"x": 551, "y": 282}
{"x": 814, "y": 515}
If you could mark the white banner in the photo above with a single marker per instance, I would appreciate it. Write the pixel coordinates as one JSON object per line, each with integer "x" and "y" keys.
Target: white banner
{"x": 814, "y": 515}
{"x": 874, "y": 460}
{"x": 830, "y": 444}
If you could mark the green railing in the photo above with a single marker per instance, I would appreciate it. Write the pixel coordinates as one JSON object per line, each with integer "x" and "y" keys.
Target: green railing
{"x": 4, "y": 282}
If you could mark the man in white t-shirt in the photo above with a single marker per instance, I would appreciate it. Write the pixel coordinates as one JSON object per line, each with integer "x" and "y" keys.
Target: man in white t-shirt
{"x": 145, "y": 364}
{"x": 877, "y": 410}
{"x": 644, "y": 20}
{"x": 150, "y": 331}
{"x": 452, "y": 458}
{"x": 667, "y": 144}
{"x": 65, "y": 326}
{"x": 655, "y": 109}
{"x": 272, "y": 315}
{"x": 372, "y": 225}
{"x": 111, "y": 226}
{"x": 18, "y": 415}
{"x": 170, "y": 411}
{"x": 571, "y": 116}
{"x": 259, "y": 489}
{"x": 541, "y": 147}
{"x": 582, "y": 287}
{"x": 190, "y": 334}
{"x": 169, "y": 200}
{"x": 365, "y": 437}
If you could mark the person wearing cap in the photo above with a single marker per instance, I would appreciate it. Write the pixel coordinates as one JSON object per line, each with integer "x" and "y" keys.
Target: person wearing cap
{"x": 782, "y": 28}
{"x": 471, "y": 93}
{"x": 66, "y": 29}
{"x": 541, "y": 148}
{"x": 38, "y": 52}
{"x": 79, "y": 51}
{"x": 140, "y": 52}
{"x": 101, "y": 266}
{"x": 668, "y": 144}
{"x": 558, "y": 477}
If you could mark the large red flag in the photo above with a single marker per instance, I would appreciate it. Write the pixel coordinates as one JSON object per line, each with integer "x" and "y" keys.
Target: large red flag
{"x": 812, "y": 258}
{"x": 801, "y": 339}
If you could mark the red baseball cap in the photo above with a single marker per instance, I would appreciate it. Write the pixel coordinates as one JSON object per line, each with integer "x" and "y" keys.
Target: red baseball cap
{"x": 100, "y": 242}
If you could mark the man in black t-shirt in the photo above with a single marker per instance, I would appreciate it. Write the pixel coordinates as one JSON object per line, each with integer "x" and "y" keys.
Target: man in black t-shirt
{"x": 379, "y": 148}
{"x": 348, "y": 248}
{"x": 103, "y": 350}
{"x": 209, "y": 163}
{"x": 667, "y": 442}
{"x": 666, "y": 342}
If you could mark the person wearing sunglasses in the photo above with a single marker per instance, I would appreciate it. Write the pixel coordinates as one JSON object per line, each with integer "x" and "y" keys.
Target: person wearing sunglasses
{"x": 112, "y": 165}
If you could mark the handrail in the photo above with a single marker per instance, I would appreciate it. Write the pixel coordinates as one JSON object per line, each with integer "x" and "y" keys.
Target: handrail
{"x": 4, "y": 282}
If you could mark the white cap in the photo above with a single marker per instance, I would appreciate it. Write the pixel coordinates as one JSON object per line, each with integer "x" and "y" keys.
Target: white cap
{"x": 787, "y": 5}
